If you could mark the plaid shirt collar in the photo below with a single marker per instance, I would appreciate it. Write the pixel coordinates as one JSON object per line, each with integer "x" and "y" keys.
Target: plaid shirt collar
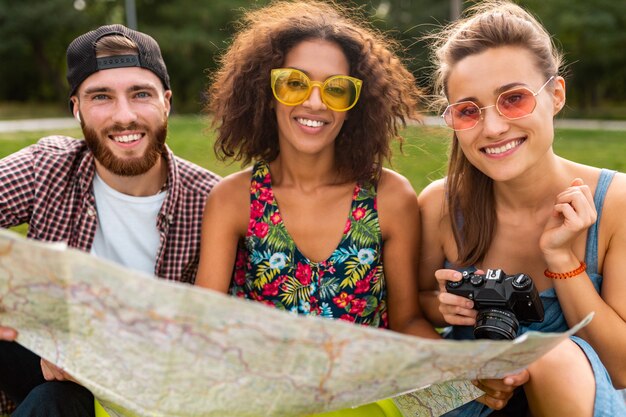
{"x": 173, "y": 190}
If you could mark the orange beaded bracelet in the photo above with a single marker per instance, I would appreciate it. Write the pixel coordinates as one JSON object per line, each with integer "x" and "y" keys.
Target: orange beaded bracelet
{"x": 564, "y": 275}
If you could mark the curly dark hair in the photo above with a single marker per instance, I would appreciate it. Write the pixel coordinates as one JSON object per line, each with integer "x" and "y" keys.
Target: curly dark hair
{"x": 240, "y": 96}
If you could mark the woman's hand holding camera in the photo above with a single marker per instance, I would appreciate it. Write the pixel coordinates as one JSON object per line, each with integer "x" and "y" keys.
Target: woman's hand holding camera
{"x": 456, "y": 310}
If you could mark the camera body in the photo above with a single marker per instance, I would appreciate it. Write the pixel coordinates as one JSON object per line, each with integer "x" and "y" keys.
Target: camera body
{"x": 502, "y": 302}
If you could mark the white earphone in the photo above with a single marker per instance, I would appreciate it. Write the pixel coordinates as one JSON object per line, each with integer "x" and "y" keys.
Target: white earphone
{"x": 77, "y": 115}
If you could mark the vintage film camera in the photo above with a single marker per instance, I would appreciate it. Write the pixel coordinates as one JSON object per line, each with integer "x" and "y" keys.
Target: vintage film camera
{"x": 502, "y": 302}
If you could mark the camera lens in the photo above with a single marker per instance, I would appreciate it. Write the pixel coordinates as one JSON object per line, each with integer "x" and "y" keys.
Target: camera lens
{"x": 496, "y": 324}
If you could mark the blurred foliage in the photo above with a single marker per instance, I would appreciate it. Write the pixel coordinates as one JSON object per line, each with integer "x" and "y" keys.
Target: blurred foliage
{"x": 593, "y": 37}
{"x": 192, "y": 33}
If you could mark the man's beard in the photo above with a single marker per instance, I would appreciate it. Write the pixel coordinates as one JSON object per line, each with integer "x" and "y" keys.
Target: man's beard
{"x": 120, "y": 166}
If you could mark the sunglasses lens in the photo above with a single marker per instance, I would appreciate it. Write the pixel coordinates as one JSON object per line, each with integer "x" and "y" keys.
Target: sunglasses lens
{"x": 340, "y": 93}
{"x": 461, "y": 116}
{"x": 517, "y": 103}
{"x": 291, "y": 87}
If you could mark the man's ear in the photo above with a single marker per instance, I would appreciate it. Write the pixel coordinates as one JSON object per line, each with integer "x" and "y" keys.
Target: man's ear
{"x": 167, "y": 95}
{"x": 74, "y": 101}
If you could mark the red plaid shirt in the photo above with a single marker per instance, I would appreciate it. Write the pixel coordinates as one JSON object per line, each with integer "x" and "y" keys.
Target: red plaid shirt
{"x": 49, "y": 186}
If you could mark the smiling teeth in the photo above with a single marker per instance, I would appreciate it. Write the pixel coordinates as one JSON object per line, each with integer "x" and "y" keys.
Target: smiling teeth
{"x": 127, "y": 138}
{"x": 504, "y": 148}
{"x": 310, "y": 123}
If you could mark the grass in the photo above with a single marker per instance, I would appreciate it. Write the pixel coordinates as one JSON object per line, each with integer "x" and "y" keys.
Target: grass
{"x": 25, "y": 110}
{"x": 604, "y": 149}
{"x": 422, "y": 159}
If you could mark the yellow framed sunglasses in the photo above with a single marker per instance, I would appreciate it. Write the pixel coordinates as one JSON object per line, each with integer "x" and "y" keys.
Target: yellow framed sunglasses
{"x": 292, "y": 87}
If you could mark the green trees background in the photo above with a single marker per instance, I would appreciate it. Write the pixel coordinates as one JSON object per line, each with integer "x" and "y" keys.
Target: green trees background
{"x": 35, "y": 33}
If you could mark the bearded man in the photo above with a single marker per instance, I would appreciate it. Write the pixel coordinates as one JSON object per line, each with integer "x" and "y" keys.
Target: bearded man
{"x": 120, "y": 193}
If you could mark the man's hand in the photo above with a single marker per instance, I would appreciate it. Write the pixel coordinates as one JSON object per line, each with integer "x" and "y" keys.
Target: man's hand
{"x": 8, "y": 334}
{"x": 498, "y": 392}
{"x": 51, "y": 372}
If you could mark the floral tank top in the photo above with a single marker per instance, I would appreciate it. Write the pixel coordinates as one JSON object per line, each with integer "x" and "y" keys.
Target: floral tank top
{"x": 349, "y": 285}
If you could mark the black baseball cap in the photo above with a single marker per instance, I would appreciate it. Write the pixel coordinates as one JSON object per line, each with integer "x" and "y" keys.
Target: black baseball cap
{"x": 82, "y": 60}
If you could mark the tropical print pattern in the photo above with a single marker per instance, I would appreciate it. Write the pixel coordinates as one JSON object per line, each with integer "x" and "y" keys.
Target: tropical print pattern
{"x": 349, "y": 285}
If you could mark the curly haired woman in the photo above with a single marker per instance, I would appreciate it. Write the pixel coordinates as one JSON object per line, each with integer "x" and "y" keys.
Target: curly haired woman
{"x": 316, "y": 226}
{"x": 314, "y": 100}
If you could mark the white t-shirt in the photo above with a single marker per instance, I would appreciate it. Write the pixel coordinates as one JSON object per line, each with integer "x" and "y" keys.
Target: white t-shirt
{"x": 127, "y": 232}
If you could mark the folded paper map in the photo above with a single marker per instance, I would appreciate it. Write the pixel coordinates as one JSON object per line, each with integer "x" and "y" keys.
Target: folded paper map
{"x": 150, "y": 347}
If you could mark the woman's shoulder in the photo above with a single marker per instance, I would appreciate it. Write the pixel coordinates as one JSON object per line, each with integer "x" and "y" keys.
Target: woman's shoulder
{"x": 615, "y": 199}
{"x": 396, "y": 197}
{"x": 618, "y": 184}
{"x": 432, "y": 197}
{"x": 613, "y": 189}
{"x": 232, "y": 189}
{"x": 392, "y": 183}
{"x": 394, "y": 187}
{"x": 395, "y": 192}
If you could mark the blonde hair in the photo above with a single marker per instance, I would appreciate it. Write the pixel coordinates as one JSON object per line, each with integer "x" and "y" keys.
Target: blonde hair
{"x": 115, "y": 45}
